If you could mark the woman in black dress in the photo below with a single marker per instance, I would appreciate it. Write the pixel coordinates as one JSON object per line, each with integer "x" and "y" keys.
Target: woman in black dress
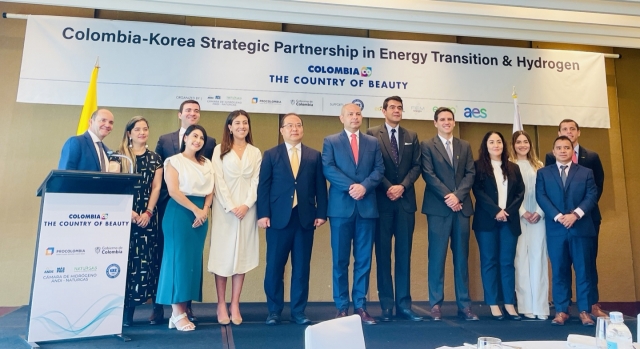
{"x": 144, "y": 263}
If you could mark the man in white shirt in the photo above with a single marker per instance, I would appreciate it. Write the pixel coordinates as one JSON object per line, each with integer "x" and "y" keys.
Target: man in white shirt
{"x": 87, "y": 152}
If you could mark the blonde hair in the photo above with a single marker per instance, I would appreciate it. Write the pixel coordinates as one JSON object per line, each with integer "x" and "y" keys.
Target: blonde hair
{"x": 531, "y": 155}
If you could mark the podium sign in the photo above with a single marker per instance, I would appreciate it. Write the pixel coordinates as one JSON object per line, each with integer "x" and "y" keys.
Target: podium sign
{"x": 80, "y": 266}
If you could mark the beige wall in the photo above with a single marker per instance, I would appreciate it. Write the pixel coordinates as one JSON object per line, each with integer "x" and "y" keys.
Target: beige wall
{"x": 31, "y": 136}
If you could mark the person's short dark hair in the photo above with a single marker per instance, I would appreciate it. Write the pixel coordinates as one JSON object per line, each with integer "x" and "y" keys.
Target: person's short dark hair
{"x": 188, "y": 101}
{"x": 562, "y": 138}
{"x": 443, "y": 109}
{"x": 392, "y": 98}
{"x": 567, "y": 121}
{"x": 288, "y": 114}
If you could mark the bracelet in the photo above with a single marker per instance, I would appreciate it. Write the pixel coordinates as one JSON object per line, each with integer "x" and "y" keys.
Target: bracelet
{"x": 149, "y": 213}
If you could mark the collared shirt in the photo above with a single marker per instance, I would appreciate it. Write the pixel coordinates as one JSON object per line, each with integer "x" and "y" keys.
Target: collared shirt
{"x": 576, "y": 151}
{"x": 99, "y": 150}
{"x": 290, "y": 152}
{"x": 181, "y": 136}
{"x": 578, "y": 210}
{"x": 444, "y": 142}
{"x": 389, "y": 128}
{"x": 357, "y": 133}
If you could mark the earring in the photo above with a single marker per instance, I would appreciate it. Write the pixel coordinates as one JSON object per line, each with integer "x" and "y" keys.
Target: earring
{"x": 146, "y": 145}
{"x": 230, "y": 132}
{"x": 130, "y": 143}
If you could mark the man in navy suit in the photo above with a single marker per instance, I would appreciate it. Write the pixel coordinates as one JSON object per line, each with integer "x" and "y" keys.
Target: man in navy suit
{"x": 352, "y": 164}
{"x": 568, "y": 195}
{"x": 292, "y": 203}
{"x": 169, "y": 145}
{"x": 397, "y": 206}
{"x": 590, "y": 160}
{"x": 87, "y": 152}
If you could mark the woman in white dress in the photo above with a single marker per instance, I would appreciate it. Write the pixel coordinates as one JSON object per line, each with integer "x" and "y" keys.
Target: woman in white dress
{"x": 532, "y": 273}
{"x": 234, "y": 229}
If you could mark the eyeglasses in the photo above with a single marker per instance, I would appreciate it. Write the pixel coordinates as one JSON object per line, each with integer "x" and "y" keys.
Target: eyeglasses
{"x": 290, "y": 126}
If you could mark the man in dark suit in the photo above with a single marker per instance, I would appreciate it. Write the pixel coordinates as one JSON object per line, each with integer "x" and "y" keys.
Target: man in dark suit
{"x": 87, "y": 152}
{"x": 590, "y": 160}
{"x": 352, "y": 163}
{"x": 169, "y": 145}
{"x": 447, "y": 169}
{"x": 568, "y": 195}
{"x": 292, "y": 203}
{"x": 396, "y": 199}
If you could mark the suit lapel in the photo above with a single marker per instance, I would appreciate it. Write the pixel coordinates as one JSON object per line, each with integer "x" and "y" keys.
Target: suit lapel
{"x": 304, "y": 157}
{"x": 284, "y": 157}
{"x": 457, "y": 149}
{"x": 438, "y": 144}
{"x": 89, "y": 143}
{"x": 361, "y": 145}
{"x": 556, "y": 175}
{"x": 175, "y": 139}
{"x": 582, "y": 155}
{"x": 384, "y": 137}
{"x": 572, "y": 172}
{"x": 401, "y": 135}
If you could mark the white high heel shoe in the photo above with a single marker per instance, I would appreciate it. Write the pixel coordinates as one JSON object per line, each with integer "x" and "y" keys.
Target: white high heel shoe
{"x": 173, "y": 321}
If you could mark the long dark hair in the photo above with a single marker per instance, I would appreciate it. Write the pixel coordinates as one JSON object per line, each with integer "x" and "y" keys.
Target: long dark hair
{"x": 190, "y": 129}
{"x": 227, "y": 137}
{"x": 484, "y": 159}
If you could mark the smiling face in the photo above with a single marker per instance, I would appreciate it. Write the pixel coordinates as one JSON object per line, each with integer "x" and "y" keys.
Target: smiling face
{"x": 495, "y": 147}
{"x": 102, "y": 123}
{"x": 563, "y": 151}
{"x": 193, "y": 141}
{"x": 190, "y": 115}
{"x": 522, "y": 146}
{"x": 393, "y": 113}
{"x": 139, "y": 133}
{"x": 351, "y": 117}
{"x": 291, "y": 129}
{"x": 239, "y": 127}
{"x": 445, "y": 124}
{"x": 570, "y": 130}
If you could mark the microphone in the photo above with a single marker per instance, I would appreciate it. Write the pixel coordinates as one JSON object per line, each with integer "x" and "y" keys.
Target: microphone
{"x": 111, "y": 153}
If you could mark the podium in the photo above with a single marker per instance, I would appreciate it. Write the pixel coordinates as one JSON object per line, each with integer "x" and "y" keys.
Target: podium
{"x": 82, "y": 249}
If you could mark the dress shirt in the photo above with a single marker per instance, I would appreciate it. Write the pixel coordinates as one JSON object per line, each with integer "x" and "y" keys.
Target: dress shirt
{"x": 501, "y": 183}
{"x": 290, "y": 152}
{"x": 180, "y": 136}
{"x": 444, "y": 142}
{"x": 389, "y": 128}
{"x": 357, "y": 133}
{"x": 99, "y": 150}
{"x": 578, "y": 210}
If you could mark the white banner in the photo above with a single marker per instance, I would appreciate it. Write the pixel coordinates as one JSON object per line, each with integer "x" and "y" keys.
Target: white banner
{"x": 80, "y": 266}
{"x": 150, "y": 65}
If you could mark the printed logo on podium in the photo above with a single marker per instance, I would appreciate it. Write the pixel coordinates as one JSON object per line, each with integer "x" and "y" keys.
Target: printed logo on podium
{"x": 113, "y": 271}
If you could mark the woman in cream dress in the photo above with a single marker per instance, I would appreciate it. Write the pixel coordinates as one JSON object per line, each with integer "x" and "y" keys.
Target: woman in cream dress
{"x": 234, "y": 230}
{"x": 532, "y": 273}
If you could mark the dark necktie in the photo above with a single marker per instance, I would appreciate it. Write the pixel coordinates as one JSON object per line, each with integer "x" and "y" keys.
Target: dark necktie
{"x": 103, "y": 166}
{"x": 563, "y": 175}
{"x": 394, "y": 147}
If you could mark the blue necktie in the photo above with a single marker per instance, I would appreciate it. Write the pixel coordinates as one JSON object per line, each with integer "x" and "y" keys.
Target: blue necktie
{"x": 394, "y": 147}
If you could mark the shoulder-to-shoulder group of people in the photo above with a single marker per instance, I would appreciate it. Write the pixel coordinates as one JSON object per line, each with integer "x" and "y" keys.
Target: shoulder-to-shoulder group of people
{"x": 524, "y": 214}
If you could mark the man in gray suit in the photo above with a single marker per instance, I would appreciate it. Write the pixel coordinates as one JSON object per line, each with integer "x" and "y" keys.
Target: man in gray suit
{"x": 396, "y": 199}
{"x": 447, "y": 169}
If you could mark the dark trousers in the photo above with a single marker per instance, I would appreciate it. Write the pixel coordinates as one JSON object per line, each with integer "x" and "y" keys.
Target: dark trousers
{"x": 564, "y": 251}
{"x": 344, "y": 232}
{"x": 453, "y": 228}
{"x": 297, "y": 241}
{"x": 398, "y": 223}
{"x": 497, "y": 255}
{"x": 594, "y": 295}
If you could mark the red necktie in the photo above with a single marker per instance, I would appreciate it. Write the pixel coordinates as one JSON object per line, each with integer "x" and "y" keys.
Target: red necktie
{"x": 354, "y": 147}
{"x": 574, "y": 158}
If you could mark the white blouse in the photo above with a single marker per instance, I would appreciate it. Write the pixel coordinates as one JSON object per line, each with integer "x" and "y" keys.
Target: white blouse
{"x": 501, "y": 183}
{"x": 193, "y": 179}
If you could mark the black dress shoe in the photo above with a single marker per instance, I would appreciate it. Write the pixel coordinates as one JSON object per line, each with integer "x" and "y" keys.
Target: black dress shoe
{"x": 386, "y": 316}
{"x": 273, "y": 319}
{"x": 127, "y": 316}
{"x": 300, "y": 319}
{"x": 513, "y": 317}
{"x": 408, "y": 314}
{"x": 190, "y": 315}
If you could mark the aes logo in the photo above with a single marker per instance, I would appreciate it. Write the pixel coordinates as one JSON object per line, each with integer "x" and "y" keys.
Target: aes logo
{"x": 475, "y": 113}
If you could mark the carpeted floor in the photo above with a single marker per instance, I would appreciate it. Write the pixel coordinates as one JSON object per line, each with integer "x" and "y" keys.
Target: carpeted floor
{"x": 254, "y": 334}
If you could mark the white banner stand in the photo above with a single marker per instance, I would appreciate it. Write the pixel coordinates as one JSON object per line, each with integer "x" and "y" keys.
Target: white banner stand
{"x": 80, "y": 264}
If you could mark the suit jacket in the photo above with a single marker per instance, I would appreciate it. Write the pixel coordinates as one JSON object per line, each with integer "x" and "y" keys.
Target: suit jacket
{"x": 485, "y": 191}
{"x": 79, "y": 153}
{"x": 405, "y": 173}
{"x": 277, "y": 185}
{"x": 169, "y": 145}
{"x": 580, "y": 191}
{"x": 443, "y": 178}
{"x": 341, "y": 171}
{"x": 590, "y": 160}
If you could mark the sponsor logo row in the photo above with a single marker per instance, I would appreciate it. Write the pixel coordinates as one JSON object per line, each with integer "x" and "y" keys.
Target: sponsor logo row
{"x": 79, "y": 273}
{"x": 105, "y": 250}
